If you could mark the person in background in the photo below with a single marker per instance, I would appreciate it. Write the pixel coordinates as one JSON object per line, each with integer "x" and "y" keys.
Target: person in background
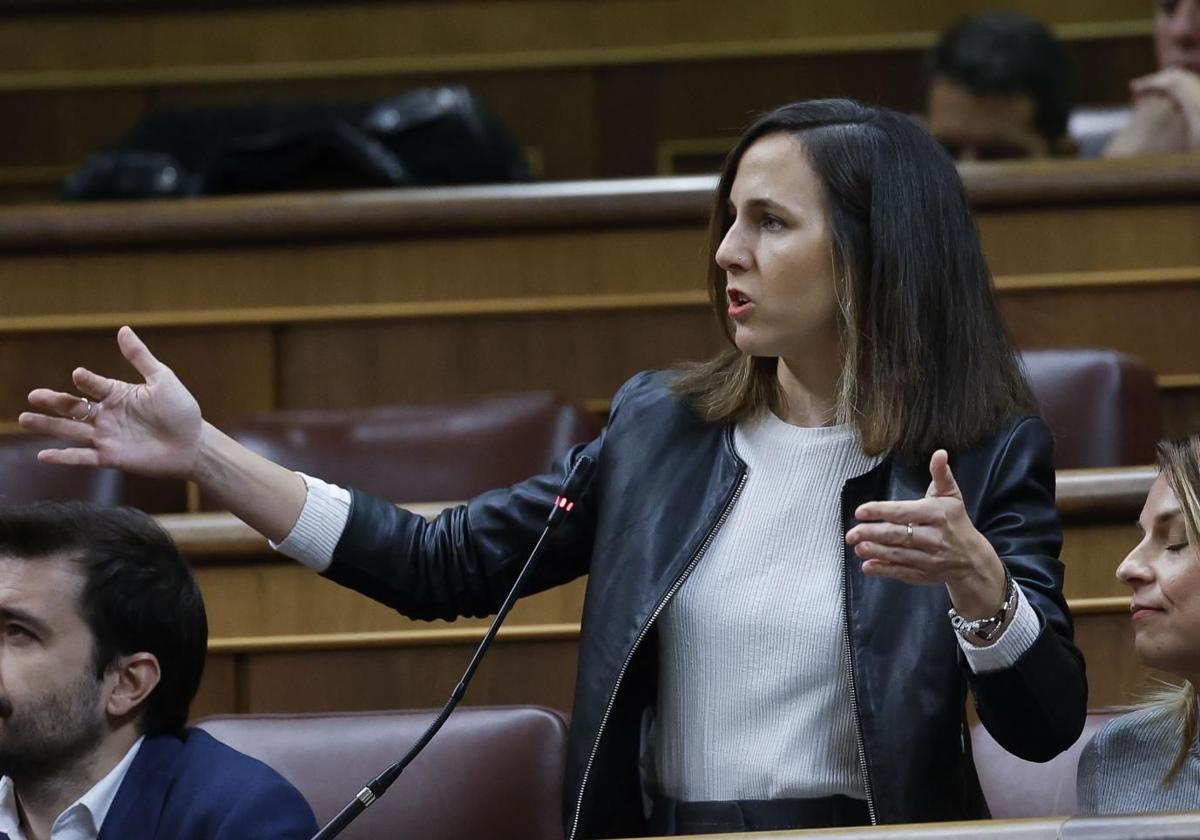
{"x": 999, "y": 87}
{"x": 1166, "y": 104}
{"x": 103, "y": 642}
{"x": 790, "y": 589}
{"x": 1149, "y": 760}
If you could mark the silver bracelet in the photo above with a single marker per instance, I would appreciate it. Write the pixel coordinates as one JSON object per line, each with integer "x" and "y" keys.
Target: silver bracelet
{"x": 986, "y": 629}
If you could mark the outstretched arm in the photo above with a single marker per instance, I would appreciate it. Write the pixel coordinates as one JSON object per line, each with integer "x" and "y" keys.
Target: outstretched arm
{"x": 154, "y": 427}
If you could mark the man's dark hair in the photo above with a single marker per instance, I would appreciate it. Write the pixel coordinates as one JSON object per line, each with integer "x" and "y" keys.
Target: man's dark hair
{"x": 1005, "y": 54}
{"x": 139, "y": 595}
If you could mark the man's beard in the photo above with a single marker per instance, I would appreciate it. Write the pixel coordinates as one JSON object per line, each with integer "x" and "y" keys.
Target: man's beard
{"x": 46, "y": 736}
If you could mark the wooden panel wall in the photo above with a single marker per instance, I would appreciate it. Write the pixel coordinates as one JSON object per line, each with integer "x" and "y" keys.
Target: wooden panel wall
{"x": 190, "y": 39}
{"x": 358, "y": 299}
{"x": 581, "y": 353}
{"x": 418, "y": 677}
{"x": 268, "y": 596}
{"x": 598, "y": 89}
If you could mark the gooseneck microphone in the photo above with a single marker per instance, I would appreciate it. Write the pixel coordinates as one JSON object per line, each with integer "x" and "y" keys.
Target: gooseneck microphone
{"x": 568, "y": 495}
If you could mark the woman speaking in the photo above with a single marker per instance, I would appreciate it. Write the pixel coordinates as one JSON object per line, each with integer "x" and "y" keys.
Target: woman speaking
{"x": 800, "y": 554}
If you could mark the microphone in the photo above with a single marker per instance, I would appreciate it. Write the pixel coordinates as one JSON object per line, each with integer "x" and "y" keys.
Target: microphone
{"x": 569, "y": 493}
{"x": 576, "y": 482}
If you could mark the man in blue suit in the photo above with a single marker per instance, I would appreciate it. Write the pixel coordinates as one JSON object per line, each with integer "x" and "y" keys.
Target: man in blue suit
{"x": 103, "y": 637}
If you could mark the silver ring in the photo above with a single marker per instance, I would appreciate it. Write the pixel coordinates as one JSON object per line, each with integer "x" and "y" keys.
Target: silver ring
{"x": 908, "y": 534}
{"x": 87, "y": 414}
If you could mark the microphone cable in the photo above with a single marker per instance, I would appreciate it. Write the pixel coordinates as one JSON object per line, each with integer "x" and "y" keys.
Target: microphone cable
{"x": 570, "y": 492}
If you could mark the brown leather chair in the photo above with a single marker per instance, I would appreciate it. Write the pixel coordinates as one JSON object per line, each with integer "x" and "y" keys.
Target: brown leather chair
{"x": 1102, "y": 406}
{"x": 1016, "y": 788}
{"x": 23, "y": 480}
{"x": 433, "y": 452}
{"x": 490, "y": 772}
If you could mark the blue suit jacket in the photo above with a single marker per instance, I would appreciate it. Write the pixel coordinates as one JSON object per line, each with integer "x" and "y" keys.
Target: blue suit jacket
{"x": 196, "y": 788}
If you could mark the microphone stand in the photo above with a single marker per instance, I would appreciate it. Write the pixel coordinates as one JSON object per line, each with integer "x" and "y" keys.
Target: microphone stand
{"x": 572, "y": 488}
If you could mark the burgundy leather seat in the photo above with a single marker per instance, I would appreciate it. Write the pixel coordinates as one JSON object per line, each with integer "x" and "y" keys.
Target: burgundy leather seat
{"x": 23, "y": 480}
{"x": 1015, "y": 788}
{"x": 421, "y": 453}
{"x": 491, "y": 772}
{"x": 1102, "y": 406}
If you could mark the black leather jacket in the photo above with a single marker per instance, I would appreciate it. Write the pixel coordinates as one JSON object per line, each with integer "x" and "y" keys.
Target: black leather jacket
{"x": 664, "y": 483}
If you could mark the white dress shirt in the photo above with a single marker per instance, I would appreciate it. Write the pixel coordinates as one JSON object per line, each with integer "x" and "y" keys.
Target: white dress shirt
{"x": 83, "y": 818}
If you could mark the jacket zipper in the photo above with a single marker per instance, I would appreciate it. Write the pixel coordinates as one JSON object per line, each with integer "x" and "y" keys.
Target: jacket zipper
{"x": 612, "y": 699}
{"x": 858, "y": 736}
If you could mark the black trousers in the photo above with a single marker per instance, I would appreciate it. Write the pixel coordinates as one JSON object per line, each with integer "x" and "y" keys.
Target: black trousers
{"x": 672, "y": 817}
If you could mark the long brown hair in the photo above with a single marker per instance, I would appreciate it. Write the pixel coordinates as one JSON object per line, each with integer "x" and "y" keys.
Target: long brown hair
{"x": 1179, "y": 462}
{"x": 926, "y": 362}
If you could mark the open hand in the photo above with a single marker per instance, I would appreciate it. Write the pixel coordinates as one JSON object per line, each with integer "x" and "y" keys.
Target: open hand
{"x": 151, "y": 427}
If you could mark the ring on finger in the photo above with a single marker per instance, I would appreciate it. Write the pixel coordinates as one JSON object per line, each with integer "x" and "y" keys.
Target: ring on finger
{"x": 89, "y": 409}
{"x": 908, "y": 532}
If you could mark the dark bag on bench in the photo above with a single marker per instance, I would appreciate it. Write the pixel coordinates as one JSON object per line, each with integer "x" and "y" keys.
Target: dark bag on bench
{"x": 429, "y": 136}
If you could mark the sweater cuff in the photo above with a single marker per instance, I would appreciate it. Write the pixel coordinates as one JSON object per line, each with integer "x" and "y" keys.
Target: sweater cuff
{"x": 1010, "y": 645}
{"x": 316, "y": 533}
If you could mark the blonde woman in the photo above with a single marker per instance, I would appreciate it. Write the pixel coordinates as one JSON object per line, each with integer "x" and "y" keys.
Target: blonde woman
{"x": 1148, "y": 760}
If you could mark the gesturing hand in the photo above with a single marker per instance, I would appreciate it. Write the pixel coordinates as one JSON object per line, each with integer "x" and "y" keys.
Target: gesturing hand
{"x": 931, "y": 540}
{"x": 151, "y": 428}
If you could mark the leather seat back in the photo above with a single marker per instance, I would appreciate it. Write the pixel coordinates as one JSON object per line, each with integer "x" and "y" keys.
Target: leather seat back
{"x": 493, "y": 772}
{"x": 1102, "y": 406}
{"x": 421, "y": 453}
{"x": 24, "y": 480}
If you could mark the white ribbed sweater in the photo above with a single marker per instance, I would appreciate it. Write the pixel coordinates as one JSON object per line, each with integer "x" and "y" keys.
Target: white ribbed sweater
{"x": 753, "y": 698}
